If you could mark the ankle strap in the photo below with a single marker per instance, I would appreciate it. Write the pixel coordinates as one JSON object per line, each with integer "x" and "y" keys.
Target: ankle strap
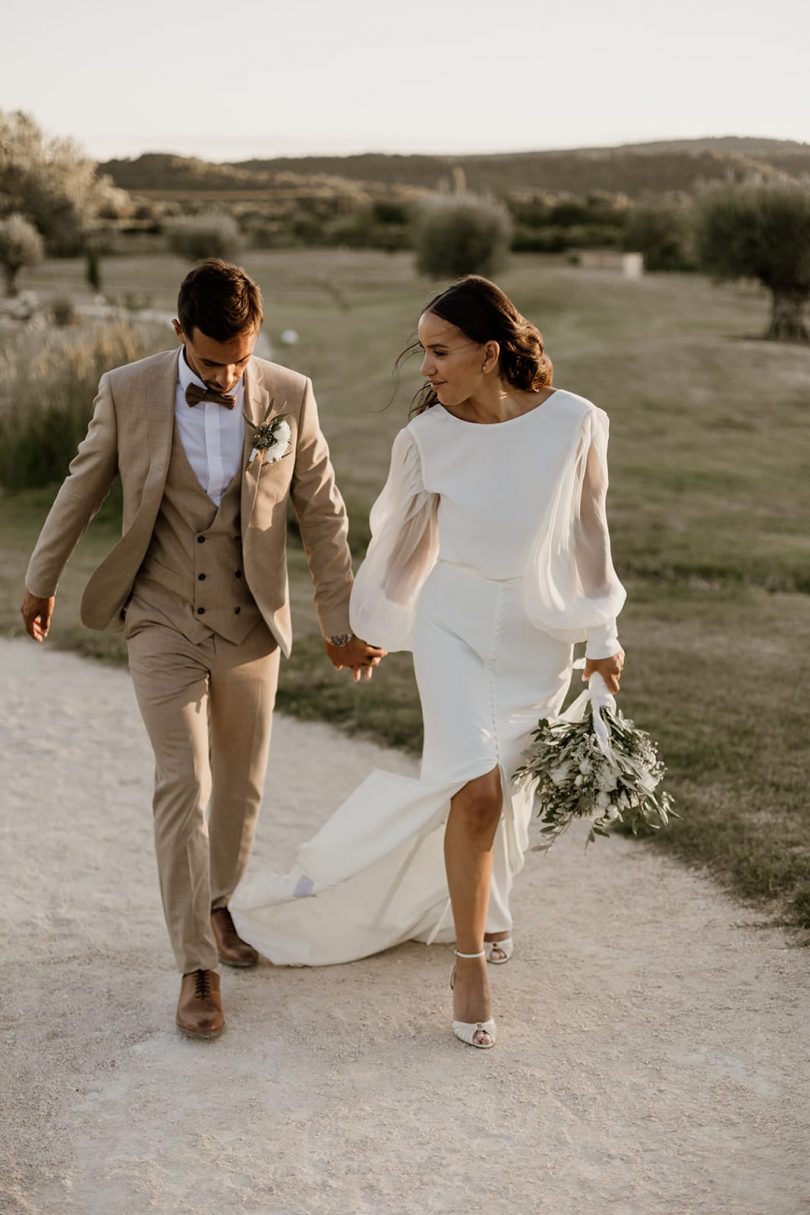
{"x": 469, "y": 955}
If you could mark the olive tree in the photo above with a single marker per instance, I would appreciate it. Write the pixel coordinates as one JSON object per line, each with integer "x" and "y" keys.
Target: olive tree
{"x": 52, "y": 183}
{"x": 459, "y": 234}
{"x": 20, "y": 245}
{"x": 761, "y": 230}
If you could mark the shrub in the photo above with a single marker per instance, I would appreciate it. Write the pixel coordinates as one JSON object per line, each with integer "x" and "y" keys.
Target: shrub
{"x": 63, "y": 311}
{"x": 459, "y": 234}
{"x": 531, "y": 211}
{"x": 663, "y": 233}
{"x": 761, "y": 231}
{"x": 543, "y": 239}
{"x": 47, "y": 392}
{"x": 307, "y": 230}
{"x": 20, "y": 245}
{"x": 569, "y": 211}
{"x": 196, "y": 237}
{"x": 388, "y": 211}
{"x": 266, "y": 234}
{"x": 361, "y": 230}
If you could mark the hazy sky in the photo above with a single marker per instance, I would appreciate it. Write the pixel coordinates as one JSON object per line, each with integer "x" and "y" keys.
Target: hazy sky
{"x": 227, "y": 79}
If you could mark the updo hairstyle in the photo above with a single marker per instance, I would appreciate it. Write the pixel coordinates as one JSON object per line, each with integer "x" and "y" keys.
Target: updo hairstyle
{"x": 484, "y": 314}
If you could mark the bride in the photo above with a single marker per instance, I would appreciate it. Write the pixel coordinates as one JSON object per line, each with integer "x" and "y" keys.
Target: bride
{"x": 489, "y": 558}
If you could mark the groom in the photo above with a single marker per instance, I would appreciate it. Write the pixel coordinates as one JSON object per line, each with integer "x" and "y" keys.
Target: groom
{"x": 211, "y": 444}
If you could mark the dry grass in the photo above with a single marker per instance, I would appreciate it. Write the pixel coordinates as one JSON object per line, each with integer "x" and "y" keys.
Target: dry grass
{"x": 47, "y": 391}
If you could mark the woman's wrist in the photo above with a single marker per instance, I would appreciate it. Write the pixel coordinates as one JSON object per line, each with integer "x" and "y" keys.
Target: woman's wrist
{"x": 603, "y": 641}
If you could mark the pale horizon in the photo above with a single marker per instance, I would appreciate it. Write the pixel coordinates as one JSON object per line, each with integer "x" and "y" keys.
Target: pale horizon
{"x": 217, "y": 155}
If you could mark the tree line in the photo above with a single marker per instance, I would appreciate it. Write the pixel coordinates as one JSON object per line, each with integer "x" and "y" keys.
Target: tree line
{"x": 53, "y": 200}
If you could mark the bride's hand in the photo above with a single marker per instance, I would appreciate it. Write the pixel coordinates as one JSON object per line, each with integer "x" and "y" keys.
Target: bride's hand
{"x": 360, "y": 657}
{"x": 609, "y": 668}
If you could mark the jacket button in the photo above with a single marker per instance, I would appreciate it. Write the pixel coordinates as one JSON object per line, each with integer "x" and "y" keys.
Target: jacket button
{"x": 236, "y": 611}
{"x": 201, "y": 539}
{"x": 201, "y": 577}
{"x": 200, "y": 611}
{"x": 238, "y": 574}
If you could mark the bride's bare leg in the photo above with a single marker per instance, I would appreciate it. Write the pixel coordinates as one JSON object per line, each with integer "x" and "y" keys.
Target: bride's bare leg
{"x": 475, "y": 812}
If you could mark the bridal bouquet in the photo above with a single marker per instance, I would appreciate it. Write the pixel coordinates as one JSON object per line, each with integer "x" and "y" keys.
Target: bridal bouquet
{"x": 593, "y": 763}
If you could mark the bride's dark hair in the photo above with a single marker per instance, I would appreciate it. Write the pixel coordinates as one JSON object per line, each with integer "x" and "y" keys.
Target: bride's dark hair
{"x": 484, "y": 313}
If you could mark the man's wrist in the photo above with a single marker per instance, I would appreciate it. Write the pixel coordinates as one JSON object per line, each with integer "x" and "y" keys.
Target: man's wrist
{"x": 339, "y": 640}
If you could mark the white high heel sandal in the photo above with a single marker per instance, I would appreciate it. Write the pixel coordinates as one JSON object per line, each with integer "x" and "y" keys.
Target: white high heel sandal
{"x": 469, "y": 1031}
{"x": 505, "y": 947}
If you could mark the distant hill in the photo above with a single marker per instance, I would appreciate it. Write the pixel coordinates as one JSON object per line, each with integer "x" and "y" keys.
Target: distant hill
{"x": 637, "y": 170}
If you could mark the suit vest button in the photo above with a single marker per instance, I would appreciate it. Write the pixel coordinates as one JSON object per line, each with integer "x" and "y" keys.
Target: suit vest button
{"x": 238, "y": 574}
{"x": 201, "y": 539}
{"x": 201, "y": 577}
{"x": 236, "y": 611}
{"x": 200, "y": 611}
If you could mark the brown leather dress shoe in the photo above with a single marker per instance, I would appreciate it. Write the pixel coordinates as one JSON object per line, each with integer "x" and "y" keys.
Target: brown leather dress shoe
{"x": 232, "y": 950}
{"x": 199, "y": 1009}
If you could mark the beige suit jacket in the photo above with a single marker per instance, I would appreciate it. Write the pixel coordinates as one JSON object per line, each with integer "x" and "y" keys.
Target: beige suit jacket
{"x": 130, "y": 435}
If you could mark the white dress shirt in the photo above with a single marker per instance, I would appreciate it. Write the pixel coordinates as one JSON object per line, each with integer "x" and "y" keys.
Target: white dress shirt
{"x": 212, "y": 436}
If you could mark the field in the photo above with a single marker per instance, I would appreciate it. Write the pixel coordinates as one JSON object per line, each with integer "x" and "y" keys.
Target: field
{"x": 709, "y": 500}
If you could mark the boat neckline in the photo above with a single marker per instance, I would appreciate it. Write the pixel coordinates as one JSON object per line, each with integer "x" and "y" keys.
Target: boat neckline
{"x": 507, "y": 421}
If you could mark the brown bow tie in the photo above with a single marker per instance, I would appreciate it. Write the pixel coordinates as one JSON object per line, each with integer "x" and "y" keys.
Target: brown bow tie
{"x": 195, "y": 394}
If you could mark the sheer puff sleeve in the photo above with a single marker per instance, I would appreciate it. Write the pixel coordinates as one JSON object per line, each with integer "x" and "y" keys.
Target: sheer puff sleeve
{"x": 402, "y": 552}
{"x": 573, "y": 592}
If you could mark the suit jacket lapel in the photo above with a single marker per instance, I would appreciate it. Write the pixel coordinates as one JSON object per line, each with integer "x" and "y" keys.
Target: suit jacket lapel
{"x": 257, "y": 409}
{"x": 160, "y": 395}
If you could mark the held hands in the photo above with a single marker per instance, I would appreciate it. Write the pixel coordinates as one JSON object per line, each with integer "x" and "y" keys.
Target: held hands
{"x": 37, "y": 615}
{"x": 609, "y": 668}
{"x": 360, "y": 657}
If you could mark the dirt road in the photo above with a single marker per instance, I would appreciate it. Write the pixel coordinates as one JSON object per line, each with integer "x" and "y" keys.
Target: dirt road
{"x": 653, "y": 1035}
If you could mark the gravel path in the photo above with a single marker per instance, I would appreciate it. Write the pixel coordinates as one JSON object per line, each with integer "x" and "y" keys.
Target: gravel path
{"x": 653, "y": 1034}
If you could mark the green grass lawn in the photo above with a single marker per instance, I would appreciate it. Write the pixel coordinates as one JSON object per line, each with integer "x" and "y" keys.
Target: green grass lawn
{"x": 709, "y": 501}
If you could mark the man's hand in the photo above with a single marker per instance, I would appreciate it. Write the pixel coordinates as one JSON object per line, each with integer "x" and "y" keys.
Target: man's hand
{"x": 37, "y": 615}
{"x": 609, "y": 668}
{"x": 360, "y": 657}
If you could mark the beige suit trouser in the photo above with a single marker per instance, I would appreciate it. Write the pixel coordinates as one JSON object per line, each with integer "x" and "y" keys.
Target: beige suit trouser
{"x": 208, "y": 709}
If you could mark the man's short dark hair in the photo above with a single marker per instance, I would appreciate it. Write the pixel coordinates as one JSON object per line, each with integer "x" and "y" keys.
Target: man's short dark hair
{"x": 220, "y": 300}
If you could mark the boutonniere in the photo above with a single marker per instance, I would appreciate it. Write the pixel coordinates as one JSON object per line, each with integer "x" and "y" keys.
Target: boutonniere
{"x": 270, "y": 439}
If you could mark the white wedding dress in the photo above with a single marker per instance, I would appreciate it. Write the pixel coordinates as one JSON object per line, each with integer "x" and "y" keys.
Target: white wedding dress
{"x": 489, "y": 558}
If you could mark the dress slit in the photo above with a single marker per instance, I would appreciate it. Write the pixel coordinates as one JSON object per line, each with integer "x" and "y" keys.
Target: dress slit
{"x": 489, "y": 590}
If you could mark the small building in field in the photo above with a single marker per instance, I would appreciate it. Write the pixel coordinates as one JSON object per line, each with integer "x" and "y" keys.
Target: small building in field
{"x": 629, "y": 265}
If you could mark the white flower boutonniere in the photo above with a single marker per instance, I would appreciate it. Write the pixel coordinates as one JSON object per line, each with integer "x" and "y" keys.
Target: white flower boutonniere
{"x": 271, "y": 439}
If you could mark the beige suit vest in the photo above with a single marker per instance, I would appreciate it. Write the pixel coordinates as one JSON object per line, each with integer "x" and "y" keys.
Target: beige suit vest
{"x": 193, "y": 571}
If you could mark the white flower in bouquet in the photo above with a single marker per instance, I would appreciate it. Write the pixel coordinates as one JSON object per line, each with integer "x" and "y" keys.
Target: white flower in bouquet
{"x": 595, "y": 764}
